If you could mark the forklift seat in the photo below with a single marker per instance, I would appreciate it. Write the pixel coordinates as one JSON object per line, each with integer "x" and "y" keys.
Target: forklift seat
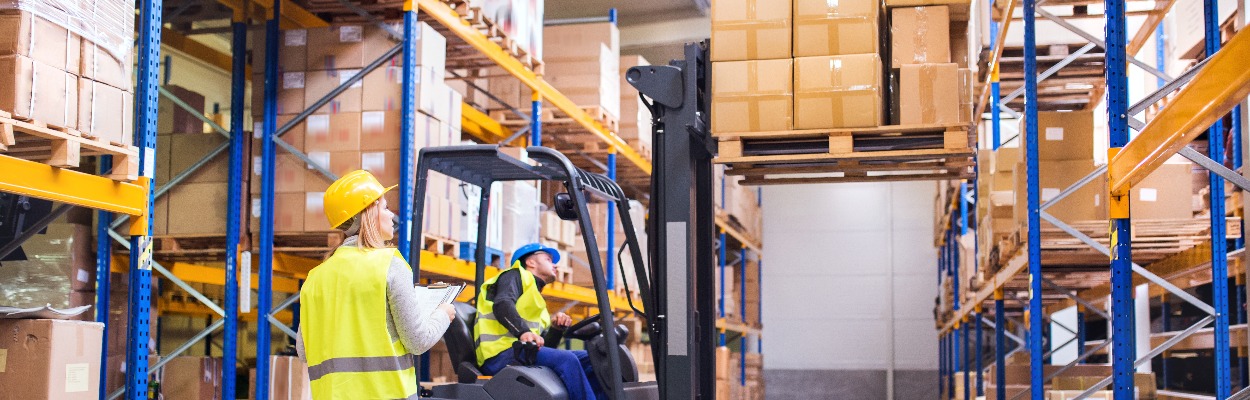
{"x": 460, "y": 345}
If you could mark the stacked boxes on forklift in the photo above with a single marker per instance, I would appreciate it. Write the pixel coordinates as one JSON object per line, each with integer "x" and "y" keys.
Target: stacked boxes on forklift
{"x": 78, "y": 76}
{"x": 811, "y": 64}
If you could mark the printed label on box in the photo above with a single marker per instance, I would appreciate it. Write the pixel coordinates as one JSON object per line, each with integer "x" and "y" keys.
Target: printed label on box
{"x": 351, "y": 33}
{"x": 149, "y": 162}
{"x": 1054, "y": 133}
{"x": 293, "y": 80}
{"x": 76, "y": 377}
{"x": 347, "y": 74}
{"x": 82, "y": 276}
{"x": 256, "y": 166}
{"x": 1049, "y": 193}
{"x": 321, "y": 158}
{"x": 372, "y": 120}
{"x": 258, "y": 129}
{"x": 314, "y": 201}
{"x": 1149, "y": 194}
{"x": 375, "y": 163}
{"x": 318, "y": 127}
{"x": 295, "y": 37}
{"x": 256, "y": 208}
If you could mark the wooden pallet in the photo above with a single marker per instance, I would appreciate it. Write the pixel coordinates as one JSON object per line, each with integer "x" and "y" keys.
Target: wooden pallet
{"x": 440, "y": 245}
{"x": 460, "y": 55}
{"x": 557, "y": 122}
{"x": 1153, "y": 240}
{"x": 885, "y": 153}
{"x": 63, "y": 146}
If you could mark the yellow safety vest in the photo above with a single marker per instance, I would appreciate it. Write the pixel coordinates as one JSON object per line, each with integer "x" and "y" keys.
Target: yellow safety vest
{"x": 491, "y": 336}
{"x": 343, "y": 314}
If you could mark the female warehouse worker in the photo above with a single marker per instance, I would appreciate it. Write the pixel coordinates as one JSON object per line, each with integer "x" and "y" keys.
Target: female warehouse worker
{"x": 359, "y": 317}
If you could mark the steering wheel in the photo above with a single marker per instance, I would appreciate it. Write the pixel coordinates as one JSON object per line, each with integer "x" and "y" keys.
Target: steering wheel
{"x": 573, "y": 331}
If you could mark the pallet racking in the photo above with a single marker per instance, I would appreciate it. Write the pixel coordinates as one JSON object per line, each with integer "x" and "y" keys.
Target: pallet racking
{"x": 224, "y": 263}
{"x": 1208, "y": 91}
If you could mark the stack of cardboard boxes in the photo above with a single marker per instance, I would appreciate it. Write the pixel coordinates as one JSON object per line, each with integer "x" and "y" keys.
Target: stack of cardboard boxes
{"x": 740, "y": 203}
{"x": 582, "y": 62}
{"x": 79, "y": 74}
{"x": 635, "y": 124}
{"x": 359, "y": 128}
{"x": 50, "y": 359}
{"x": 814, "y": 64}
{"x": 729, "y": 371}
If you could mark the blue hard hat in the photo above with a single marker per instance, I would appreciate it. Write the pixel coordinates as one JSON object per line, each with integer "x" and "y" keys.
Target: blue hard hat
{"x": 531, "y": 248}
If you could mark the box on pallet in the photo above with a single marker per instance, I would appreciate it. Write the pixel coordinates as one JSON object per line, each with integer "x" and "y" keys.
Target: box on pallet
{"x": 751, "y": 30}
{"x": 929, "y": 94}
{"x": 1064, "y": 136}
{"x": 189, "y": 377}
{"x": 521, "y": 20}
{"x": 34, "y": 90}
{"x": 837, "y": 92}
{"x": 919, "y": 35}
{"x": 50, "y": 359}
{"x": 56, "y": 263}
{"x": 582, "y": 61}
{"x": 828, "y": 28}
{"x": 1167, "y": 193}
{"x": 1085, "y": 204}
{"x": 752, "y": 96}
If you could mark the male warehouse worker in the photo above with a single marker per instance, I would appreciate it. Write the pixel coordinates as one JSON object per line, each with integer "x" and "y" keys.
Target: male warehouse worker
{"x": 360, "y": 320}
{"x": 511, "y": 307}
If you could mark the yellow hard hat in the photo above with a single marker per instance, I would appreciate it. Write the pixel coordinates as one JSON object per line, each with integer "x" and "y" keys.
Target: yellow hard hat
{"x": 350, "y": 195}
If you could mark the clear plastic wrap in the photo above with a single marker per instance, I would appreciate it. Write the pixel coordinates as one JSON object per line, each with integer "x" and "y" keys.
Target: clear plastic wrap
{"x": 106, "y": 23}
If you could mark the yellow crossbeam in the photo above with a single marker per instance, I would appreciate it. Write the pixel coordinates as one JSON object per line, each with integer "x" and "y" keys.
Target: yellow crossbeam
{"x": 450, "y": 19}
{"x": 1222, "y": 83}
{"x": 199, "y": 51}
{"x": 293, "y": 16}
{"x": 482, "y": 126}
{"x": 43, "y": 181}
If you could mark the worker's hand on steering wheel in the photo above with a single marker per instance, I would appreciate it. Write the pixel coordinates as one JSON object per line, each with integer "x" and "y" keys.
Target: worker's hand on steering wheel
{"x": 532, "y": 337}
{"x": 561, "y": 320}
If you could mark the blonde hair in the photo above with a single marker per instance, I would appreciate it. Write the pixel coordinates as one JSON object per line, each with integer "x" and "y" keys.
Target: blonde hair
{"x": 365, "y": 226}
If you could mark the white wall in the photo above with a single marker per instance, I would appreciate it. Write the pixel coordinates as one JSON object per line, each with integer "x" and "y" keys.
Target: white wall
{"x": 833, "y": 255}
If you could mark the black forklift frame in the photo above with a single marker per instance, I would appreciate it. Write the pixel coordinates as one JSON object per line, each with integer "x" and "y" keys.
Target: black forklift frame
{"x": 483, "y": 165}
{"x": 681, "y": 214}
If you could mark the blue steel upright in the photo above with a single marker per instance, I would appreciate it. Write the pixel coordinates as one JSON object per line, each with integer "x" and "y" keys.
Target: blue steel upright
{"x": 980, "y": 357}
{"x": 103, "y": 269}
{"x": 995, "y": 91}
{"x": 407, "y": 146}
{"x": 238, "y": 138}
{"x": 610, "y": 262}
{"x": 1000, "y": 347}
{"x": 1034, "y": 224}
{"x": 265, "y": 284}
{"x": 742, "y": 305}
{"x": 1124, "y": 347}
{"x": 967, "y": 363}
{"x": 536, "y": 123}
{"x": 1219, "y": 243}
{"x": 140, "y": 296}
{"x": 720, "y": 261}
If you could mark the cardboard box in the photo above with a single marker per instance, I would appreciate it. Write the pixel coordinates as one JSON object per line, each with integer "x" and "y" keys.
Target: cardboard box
{"x": 192, "y": 378}
{"x": 1064, "y": 136}
{"x": 57, "y": 46}
{"x": 292, "y": 51}
{"x": 38, "y": 91}
{"x": 100, "y": 65}
{"x": 1086, "y": 204}
{"x": 321, "y": 83}
{"x": 288, "y": 174}
{"x": 333, "y": 132}
{"x": 380, "y": 131}
{"x": 750, "y": 30}
{"x": 288, "y": 213}
{"x": 572, "y": 39}
{"x": 384, "y": 86}
{"x": 1167, "y": 193}
{"x": 174, "y": 119}
{"x": 752, "y": 96}
{"x": 191, "y": 148}
{"x": 314, "y": 212}
{"x": 929, "y": 94}
{"x": 198, "y": 208}
{"x": 830, "y": 28}
{"x": 919, "y": 35}
{"x": 588, "y": 79}
{"x": 102, "y": 112}
{"x": 337, "y": 162}
{"x": 967, "y": 94}
{"x": 288, "y": 378}
{"x": 837, "y": 92}
{"x": 384, "y": 165}
{"x": 961, "y": 53}
{"x": 290, "y": 98}
{"x": 337, "y": 47}
{"x": 431, "y": 47}
{"x": 50, "y": 359}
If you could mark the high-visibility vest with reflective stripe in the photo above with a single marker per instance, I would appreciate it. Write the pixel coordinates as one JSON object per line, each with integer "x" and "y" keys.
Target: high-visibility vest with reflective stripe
{"x": 343, "y": 314}
{"x": 491, "y": 336}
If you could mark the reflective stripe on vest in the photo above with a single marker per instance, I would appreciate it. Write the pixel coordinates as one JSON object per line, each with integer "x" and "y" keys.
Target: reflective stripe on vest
{"x": 359, "y": 364}
{"x": 343, "y": 319}
{"x": 489, "y": 334}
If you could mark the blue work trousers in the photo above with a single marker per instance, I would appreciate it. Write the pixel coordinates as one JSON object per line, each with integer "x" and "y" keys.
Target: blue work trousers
{"x": 572, "y": 366}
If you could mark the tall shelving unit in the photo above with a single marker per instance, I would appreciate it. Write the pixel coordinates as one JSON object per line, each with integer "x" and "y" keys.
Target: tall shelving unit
{"x": 1207, "y": 92}
{"x": 135, "y": 200}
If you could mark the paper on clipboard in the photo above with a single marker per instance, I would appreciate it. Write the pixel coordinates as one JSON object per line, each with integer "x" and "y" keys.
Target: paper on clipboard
{"x": 429, "y": 297}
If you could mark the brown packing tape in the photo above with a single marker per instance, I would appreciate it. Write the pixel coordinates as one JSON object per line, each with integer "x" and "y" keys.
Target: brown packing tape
{"x": 928, "y": 110}
{"x": 752, "y": 29}
{"x": 832, "y": 24}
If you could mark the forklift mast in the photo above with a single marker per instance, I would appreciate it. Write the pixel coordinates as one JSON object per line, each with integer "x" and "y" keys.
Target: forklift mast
{"x": 681, "y": 224}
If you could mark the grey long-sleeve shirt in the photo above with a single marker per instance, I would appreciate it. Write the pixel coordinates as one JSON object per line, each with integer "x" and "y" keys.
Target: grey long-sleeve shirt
{"x": 418, "y": 333}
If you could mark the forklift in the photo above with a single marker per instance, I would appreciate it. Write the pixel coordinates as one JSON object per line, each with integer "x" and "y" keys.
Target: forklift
{"x": 677, "y": 290}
